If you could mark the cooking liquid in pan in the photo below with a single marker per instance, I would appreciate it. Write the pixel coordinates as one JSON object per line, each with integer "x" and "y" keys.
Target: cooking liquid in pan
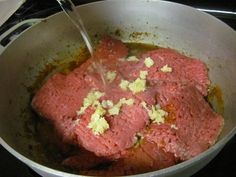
{"x": 49, "y": 142}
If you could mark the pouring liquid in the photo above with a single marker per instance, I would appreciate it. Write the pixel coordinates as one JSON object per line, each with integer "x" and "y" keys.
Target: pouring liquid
{"x": 69, "y": 9}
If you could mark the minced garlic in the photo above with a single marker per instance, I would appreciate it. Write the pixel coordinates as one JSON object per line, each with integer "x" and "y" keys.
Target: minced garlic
{"x": 138, "y": 85}
{"x": 132, "y": 58}
{"x": 115, "y": 110}
{"x": 98, "y": 123}
{"x": 92, "y": 97}
{"x": 129, "y": 102}
{"x": 166, "y": 69}
{"x": 148, "y": 62}
{"x": 81, "y": 111}
{"x": 124, "y": 84}
{"x": 156, "y": 114}
{"x": 110, "y": 76}
{"x": 107, "y": 103}
{"x": 143, "y": 74}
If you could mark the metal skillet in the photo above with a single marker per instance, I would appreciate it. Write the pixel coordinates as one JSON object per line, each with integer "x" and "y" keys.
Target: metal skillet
{"x": 161, "y": 23}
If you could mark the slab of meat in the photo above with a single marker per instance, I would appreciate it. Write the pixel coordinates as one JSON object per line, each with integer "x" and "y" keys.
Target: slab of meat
{"x": 184, "y": 69}
{"x": 62, "y": 95}
{"x": 145, "y": 158}
{"x": 190, "y": 127}
{"x": 120, "y": 135}
{"x": 84, "y": 160}
{"x": 196, "y": 128}
{"x": 196, "y": 125}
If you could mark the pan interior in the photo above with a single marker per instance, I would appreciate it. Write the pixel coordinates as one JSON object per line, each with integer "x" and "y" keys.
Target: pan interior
{"x": 152, "y": 22}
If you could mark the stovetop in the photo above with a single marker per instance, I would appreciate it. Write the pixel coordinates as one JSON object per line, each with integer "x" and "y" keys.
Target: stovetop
{"x": 222, "y": 165}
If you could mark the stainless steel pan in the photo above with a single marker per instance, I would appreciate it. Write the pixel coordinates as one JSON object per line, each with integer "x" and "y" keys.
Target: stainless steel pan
{"x": 162, "y": 23}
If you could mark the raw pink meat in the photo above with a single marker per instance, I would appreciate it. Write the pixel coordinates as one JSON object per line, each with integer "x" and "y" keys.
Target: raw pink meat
{"x": 189, "y": 129}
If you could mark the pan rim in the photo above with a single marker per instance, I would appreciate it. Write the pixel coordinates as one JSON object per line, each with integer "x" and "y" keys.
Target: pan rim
{"x": 182, "y": 165}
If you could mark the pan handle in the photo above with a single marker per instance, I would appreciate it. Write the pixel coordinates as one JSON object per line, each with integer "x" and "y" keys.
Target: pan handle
{"x": 11, "y": 34}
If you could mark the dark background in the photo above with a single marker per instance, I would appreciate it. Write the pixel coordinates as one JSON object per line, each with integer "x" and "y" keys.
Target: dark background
{"x": 223, "y": 165}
